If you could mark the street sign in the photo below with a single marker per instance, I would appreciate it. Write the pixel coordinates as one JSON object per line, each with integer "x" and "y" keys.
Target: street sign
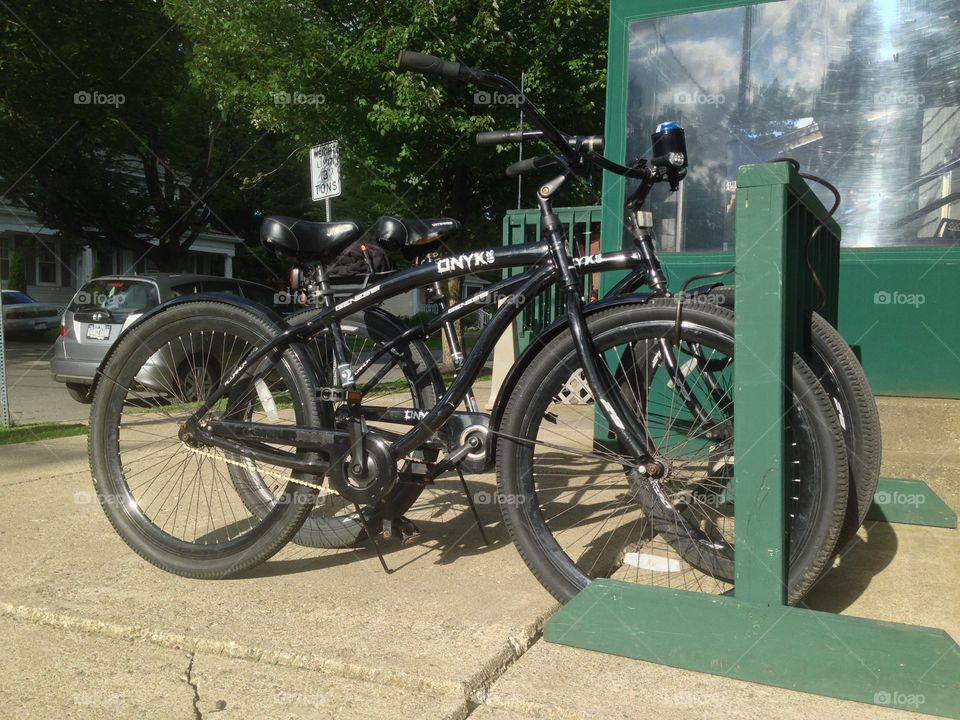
{"x": 325, "y": 170}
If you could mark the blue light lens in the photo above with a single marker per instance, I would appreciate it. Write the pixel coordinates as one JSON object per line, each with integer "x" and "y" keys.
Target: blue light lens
{"x": 666, "y": 126}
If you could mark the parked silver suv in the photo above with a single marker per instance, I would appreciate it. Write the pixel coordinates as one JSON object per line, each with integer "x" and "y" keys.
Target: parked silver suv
{"x": 105, "y": 306}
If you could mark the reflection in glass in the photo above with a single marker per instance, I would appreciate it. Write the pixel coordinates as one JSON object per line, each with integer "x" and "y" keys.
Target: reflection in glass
{"x": 865, "y": 93}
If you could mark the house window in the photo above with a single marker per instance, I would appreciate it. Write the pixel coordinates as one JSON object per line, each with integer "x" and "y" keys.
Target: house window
{"x": 6, "y": 249}
{"x": 48, "y": 264}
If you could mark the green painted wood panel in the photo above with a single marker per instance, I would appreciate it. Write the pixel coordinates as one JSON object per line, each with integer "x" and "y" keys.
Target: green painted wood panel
{"x": 882, "y": 663}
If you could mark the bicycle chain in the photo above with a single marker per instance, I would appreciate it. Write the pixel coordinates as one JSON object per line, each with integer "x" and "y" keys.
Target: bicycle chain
{"x": 276, "y": 475}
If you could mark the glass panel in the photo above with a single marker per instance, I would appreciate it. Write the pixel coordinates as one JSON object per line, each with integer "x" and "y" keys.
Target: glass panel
{"x": 865, "y": 93}
{"x": 5, "y": 252}
{"x": 47, "y": 267}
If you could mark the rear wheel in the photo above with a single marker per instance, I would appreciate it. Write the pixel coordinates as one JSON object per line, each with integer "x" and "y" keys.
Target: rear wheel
{"x": 174, "y": 503}
{"x": 577, "y": 511}
{"x": 847, "y": 386}
{"x": 405, "y": 378}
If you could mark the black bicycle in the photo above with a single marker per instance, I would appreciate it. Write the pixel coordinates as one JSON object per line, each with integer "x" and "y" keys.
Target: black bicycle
{"x": 636, "y": 484}
{"x": 407, "y": 373}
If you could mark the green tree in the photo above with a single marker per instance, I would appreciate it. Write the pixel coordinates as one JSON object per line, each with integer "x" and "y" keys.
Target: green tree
{"x": 17, "y": 279}
{"x": 102, "y": 133}
{"x": 315, "y": 71}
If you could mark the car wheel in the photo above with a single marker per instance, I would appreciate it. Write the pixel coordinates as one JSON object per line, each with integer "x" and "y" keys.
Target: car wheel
{"x": 198, "y": 376}
{"x": 81, "y": 393}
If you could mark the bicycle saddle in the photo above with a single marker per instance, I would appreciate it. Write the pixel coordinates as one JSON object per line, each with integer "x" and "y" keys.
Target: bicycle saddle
{"x": 307, "y": 241}
{"x": 412, "y": 236}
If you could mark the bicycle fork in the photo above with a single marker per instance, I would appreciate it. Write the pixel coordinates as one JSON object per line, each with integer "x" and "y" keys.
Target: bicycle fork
{"x": 620, "y": 417}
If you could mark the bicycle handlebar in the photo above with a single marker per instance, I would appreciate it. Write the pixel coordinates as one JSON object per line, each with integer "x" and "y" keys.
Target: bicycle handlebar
{"x": 573, "y": 151}
{"x": 501, "y": 137}
{"x": 534, "y": 163}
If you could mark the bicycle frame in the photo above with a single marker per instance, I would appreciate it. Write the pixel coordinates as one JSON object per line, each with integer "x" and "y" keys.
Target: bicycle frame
{"x": 544, "y": 271}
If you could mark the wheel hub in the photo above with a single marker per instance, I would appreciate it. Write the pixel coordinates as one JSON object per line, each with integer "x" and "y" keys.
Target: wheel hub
{"x": 367, "y": 482}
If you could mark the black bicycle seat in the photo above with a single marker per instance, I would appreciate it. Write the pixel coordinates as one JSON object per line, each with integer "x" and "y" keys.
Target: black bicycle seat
{"x": 307, "y": 241}
{"x": 414, "y": 237}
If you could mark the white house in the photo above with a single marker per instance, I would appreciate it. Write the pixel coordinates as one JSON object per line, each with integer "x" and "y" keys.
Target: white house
{"x": 55, "y": 271}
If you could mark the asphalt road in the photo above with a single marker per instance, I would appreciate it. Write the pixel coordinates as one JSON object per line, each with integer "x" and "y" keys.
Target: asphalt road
{"x": 33, "y": 393}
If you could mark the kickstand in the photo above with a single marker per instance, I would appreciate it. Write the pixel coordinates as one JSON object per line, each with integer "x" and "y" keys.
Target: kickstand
{"x": 373, "y": 538}
{"x": 473, "y": 508}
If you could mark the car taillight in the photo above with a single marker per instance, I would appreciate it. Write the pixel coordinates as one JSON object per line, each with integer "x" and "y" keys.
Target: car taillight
{"x": 63, "y": 329}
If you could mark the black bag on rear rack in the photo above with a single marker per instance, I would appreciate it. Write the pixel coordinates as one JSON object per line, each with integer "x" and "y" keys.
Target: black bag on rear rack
{"x": 358, "y": 264}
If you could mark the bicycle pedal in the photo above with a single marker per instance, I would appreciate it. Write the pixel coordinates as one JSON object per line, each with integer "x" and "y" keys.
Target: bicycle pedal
{"x": 402, "y": 529}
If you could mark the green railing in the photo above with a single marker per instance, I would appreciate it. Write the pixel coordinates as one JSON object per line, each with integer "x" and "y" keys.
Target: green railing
{"x": 582, "y": 228}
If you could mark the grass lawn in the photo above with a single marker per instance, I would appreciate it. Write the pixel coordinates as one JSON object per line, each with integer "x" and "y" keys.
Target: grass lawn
{"x": 40, "y": 431}
{"x": 435, "y": 341}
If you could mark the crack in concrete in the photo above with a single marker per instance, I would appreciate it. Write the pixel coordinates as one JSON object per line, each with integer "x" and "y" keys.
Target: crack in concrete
{"x": 478, "y": 687}
{"x": 473, "y": 691}
{"x": 196, "y": 691}
{"x": 235, "y": 650}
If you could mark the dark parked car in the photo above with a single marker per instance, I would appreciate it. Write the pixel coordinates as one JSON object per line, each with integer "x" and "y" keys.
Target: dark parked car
{"x": 23, "y": 314}
{"x": 106, "y": 306}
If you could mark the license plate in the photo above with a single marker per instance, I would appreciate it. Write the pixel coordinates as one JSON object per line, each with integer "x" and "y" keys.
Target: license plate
{"x": 98, "y": 332}
{"x": 40, "y": 325}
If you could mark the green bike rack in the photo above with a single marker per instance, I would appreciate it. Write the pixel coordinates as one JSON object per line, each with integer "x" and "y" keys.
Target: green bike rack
{"x": 753, "y": 635}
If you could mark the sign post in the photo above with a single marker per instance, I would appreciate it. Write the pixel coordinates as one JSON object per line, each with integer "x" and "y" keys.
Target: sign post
{"x": 4, "y": 398}
{"x": 325, "y": 173}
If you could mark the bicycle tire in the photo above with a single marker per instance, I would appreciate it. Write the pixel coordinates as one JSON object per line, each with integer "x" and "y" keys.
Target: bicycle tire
{"x": 820, "y": 501}
{"x": 845, "y": 382}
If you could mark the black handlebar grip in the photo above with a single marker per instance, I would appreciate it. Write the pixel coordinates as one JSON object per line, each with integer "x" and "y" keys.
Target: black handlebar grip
{"x": 497, "y": 137}
{"x": 524, "y": 166}
{"x": 428, "y": 65}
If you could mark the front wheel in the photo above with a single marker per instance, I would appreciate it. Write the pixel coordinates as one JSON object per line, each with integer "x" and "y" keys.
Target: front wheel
{"x": 575, "y": 509}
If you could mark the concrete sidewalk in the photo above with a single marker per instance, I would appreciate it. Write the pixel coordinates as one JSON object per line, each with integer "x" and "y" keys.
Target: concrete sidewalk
{"x": 93, "y": 631}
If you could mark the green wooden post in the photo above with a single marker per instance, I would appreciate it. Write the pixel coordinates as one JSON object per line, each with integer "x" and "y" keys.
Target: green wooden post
{"x": 760, "y": 372}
